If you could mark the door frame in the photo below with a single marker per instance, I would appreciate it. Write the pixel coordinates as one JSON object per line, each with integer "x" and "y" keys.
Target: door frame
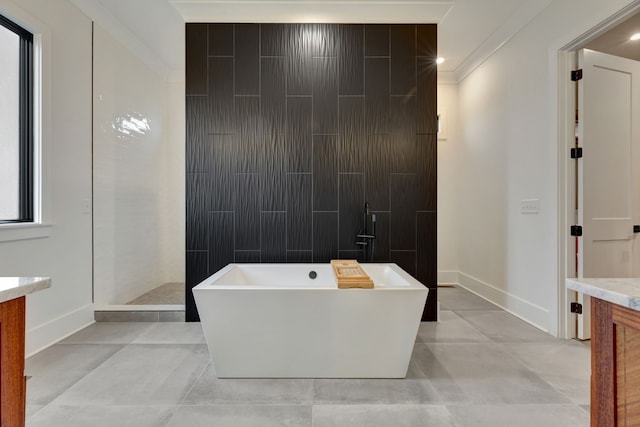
{"x": 563, "y": 59}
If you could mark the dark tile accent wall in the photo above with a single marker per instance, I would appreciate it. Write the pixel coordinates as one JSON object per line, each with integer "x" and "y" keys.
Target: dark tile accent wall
{"x": 291, "y": 128}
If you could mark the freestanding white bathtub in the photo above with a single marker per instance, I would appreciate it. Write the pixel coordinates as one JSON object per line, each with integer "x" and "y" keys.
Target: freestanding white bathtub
{"x": 274, "y": 321}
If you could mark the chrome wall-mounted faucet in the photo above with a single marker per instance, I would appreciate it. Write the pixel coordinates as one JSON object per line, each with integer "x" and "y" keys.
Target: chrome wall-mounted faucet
{"x": 366, "y": 239}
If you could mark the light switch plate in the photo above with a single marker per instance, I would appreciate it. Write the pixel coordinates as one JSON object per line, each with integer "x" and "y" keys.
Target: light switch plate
{"x": 530, "y": 206}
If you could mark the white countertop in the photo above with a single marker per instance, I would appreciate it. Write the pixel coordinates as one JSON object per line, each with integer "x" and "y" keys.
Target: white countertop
{"x": 16, "y": 287}
{"x": 621, "y": 291}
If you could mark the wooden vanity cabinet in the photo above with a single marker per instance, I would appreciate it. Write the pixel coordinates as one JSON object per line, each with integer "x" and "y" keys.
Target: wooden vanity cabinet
{"x": 12, "y": 380}
{"x": 615, "y": 365}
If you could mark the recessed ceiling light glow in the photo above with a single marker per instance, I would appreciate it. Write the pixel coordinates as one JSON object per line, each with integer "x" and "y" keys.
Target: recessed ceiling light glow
{"x": 439, "y": 60}
{"x": 635, "y": 37}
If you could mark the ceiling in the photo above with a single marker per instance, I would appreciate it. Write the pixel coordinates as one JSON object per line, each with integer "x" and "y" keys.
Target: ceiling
{"x": 469, "y": 31}
{"x": 616, "y": 40}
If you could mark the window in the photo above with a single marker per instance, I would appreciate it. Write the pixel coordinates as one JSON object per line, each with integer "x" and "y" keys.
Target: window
{"x": 16, "y": 123}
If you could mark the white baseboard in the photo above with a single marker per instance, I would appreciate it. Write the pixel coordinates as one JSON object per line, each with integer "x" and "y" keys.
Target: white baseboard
{"x": 47, "y": 334}
{"x": 533, "y": 314}
{"x": 447, "y": 277}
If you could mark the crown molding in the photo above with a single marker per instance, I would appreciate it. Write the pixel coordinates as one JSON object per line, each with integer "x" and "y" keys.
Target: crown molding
{"x": 512, "y": 26}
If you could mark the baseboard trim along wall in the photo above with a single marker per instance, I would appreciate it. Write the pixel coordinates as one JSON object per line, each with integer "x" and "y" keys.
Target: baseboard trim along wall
{"x": 447, "y": 278}
{"x": 522, "y": 309}
{"x": 47, "y": 334}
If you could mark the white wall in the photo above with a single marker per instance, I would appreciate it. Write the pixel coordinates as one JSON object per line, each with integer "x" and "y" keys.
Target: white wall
{"x": 508, "y": 152}
{"x": 448, "y": 142}
{"x": 63, "y": 251}
{"x": 135, "y": 176}
{"x": 176, "y": 201}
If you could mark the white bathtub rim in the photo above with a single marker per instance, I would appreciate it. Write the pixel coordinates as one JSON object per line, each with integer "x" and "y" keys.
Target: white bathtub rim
{"x": 411, "y": 284}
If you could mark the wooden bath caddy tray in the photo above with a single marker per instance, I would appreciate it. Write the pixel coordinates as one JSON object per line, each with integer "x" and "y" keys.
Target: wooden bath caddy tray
{"x": 349, "y": 274}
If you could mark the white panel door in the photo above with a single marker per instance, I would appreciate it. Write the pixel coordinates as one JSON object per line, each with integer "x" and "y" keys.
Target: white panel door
{"x": 608, "y": 179}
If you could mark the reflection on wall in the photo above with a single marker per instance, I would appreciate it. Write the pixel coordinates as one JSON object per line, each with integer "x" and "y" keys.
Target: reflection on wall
{"x": 130, "y": 175}
{"x": 291, "y": 128}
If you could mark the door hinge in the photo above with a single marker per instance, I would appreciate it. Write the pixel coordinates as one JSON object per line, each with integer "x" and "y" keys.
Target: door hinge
{"x": 576, "y": 153}
{"x": 576, "y": 307}
{"x": 576, "y": 230}
{"x": 576, "y": 75}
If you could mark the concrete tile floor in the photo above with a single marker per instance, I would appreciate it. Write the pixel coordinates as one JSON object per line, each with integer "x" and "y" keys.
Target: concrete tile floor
{"x": 479, "y": 366}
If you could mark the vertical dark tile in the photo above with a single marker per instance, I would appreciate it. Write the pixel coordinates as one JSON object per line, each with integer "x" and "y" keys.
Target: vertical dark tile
{"x": 403, "y": 59}
{"x": 324, "y": 39}
{"x": 273, "y": 101}
{"x": 351, "y": 60}
{"x": 299, "y": 74}
{"x": 325, "y": 236}
{"x": 325, "y": 173}
{"x": 299, "y": 219}
{"x": 403, "y": 211}
{"x": 197, "y": 131}
{"x": 427, "y": 36}
{"x": 403, "y": 134}
{"x": 299, "y": 142}
{"x": 381, "y": 245}
{"x": 376, "y": 90}
{"x": 247, "y": 59}
{"x": 299, "y": 62}
{"x": 427, "y": 172}
{"x": 196, "y": 271}
{"x": 222, "y": 165}
{"x": 353, "y": 134}
{"x": 274, "y": 39}
{"x": 301, "y": 40}
{"x": 249, "y": 134}
{"x": 406, "y": 260}
{"x": 430, "y": 312}
{"x": 427, "y": 98}
{"x": 196, "y": 59}
{"x": 352, "y": 254}
{"x": 255, "y": 153}
{"x": 299, "y": 256}
{"x": 377, "y": 176}
{"x": 274, "y": 191}
{"x": 197, "y": 196}
{"x": 220, "y": 39}
{"x": 273, "y": 173}
{"x": 351, "y": 188}
{"x": 221, "y": 245}
{"x": 247, "y": 218}
{"x": 427, "y": 261}
{"x": 325, "y": 95}
{"x": 376, "y": 40}
{"x": 220, "y": 101}
{"x": 427, "y": 249}
{"x": 247, "y": 257}
{"x": 274, "y": 237}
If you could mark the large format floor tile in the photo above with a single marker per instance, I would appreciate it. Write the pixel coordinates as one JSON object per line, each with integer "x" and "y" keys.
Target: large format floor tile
{"x": 479, "y": 366}
{"x": 101, "y": 416}
{"x": 381, "y": 416}
{"x": 109, "y": 333}
{"x": 209, "y": 390}
{"x": 374, "y": 391}
{"x": 456, "y": 298}
{"x": 485, "y": 373}
{"x": 171, "y": 333}
{"x": 450, "y": 328}
{"x": 504, "y": 327}
{"x": 242, "y": 416}
{"x": 566, "y": 365}
{"x": 519, "y": 415}
{"x": 57, "y": 368}
{"x": 141, "y": 375}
